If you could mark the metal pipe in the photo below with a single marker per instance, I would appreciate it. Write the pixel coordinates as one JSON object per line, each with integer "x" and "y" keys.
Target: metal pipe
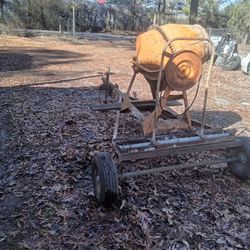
{"x": 117, "y": 120}
{"x": 206, "y": 91}
{"x": 157, "y": 98}
{"x": 176, "y": 167}
{"x": 173, "y": 141}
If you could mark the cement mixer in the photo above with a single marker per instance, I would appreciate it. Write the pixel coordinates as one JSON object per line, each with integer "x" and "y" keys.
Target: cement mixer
{"x": 183, "y": 63}
{"x": 170, "y": 57}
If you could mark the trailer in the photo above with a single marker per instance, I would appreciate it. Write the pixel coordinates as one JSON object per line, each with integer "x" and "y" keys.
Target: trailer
{"x": 193, "y": 136}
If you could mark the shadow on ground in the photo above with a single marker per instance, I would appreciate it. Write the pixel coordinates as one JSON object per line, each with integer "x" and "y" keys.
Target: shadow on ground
{"x": 218, "y": 119}
{"x": 16, "y": 59}
{"x": 128, "y": 44}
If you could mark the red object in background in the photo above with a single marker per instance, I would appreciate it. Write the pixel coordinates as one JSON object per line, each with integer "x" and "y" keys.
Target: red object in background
{"x": 102, "y": 2}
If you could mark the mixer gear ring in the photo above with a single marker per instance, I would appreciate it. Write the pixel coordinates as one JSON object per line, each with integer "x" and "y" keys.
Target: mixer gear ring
{"x": 183, "y": 70}
{"x": 165, "y": 36}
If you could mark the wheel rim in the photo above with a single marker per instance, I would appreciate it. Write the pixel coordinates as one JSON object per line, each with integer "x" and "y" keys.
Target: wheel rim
{"x": 242, "y": 158}
{"x": 97, "y": 183}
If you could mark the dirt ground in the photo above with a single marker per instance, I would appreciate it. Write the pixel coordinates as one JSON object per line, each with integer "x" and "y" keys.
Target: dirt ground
{"x": 48, "y": 135}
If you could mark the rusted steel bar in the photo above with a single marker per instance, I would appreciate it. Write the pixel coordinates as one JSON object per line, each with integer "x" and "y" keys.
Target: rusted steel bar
{"x": 191, "y": 148}
{"x": 141, "y": 105}
{"x": 136, "y": 113}
{"x": 114, "y": 87}
{"x": 107, "y": 90}
{"x": 206, "y": 90}
{"x": 116, "y": 127}
{"x": 126, "y": 103}
{"x": 175, "y": 141}
{"x": 176, "y": 167}
{"x": 186, "y": 112}
{"x": 157, "y": 98}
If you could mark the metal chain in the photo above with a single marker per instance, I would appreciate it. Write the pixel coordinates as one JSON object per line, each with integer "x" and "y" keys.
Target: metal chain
{"x": 165, "y": 36}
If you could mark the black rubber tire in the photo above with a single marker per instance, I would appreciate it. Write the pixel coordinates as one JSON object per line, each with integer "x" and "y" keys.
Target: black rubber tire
{"x": 105, "y": 179}
{"x": 232, "y": 64}
{"x": 219, "y": 61}
{"x": 241, "y": 169}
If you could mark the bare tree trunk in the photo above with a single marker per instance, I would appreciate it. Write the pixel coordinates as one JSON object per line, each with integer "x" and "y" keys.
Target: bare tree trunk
{"x": 43, "y": 21}
{"x": 107, "y": 20}
{"x": 159, "y": 12}
{"x": 164, "y": 6}
{"x": 29, "y": 15}
{"x": 1, "y": 7}
{"x": 133, "y": 13}
{"x": 193, "y": 11}
{"x": 68, "y": 26}
{"x": 246, "y": 38}
{"x": 73, "y": 21}
{"x": 155, "y": 19}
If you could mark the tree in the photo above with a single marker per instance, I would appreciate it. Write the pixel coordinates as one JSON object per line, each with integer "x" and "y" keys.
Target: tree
{"x": 37, "y": 14}
{"x": 2, "y": 2}
{"x": 239, "y": 19}
{"x": 210, "y": 13}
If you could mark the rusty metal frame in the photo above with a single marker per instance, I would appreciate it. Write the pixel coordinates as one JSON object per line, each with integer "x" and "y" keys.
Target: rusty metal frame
{"x": 143, "y": 148}
{"x": 133, "y": 149}
{"x": 138, "y": 149}
{"x": 176, "y": 167}
{"x": 166, "y": 54}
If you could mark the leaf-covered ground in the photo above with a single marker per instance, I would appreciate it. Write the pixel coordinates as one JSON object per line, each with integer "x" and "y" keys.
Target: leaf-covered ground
{"x": 48, "y": 135}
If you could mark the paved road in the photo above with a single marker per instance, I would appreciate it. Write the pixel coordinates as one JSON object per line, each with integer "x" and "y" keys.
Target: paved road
{"x": 105, "y": 36}
{"x": 84, "y": 35}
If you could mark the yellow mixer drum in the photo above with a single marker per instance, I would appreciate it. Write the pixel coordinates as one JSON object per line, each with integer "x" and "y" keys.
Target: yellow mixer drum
{"x": 183, "y": 66}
